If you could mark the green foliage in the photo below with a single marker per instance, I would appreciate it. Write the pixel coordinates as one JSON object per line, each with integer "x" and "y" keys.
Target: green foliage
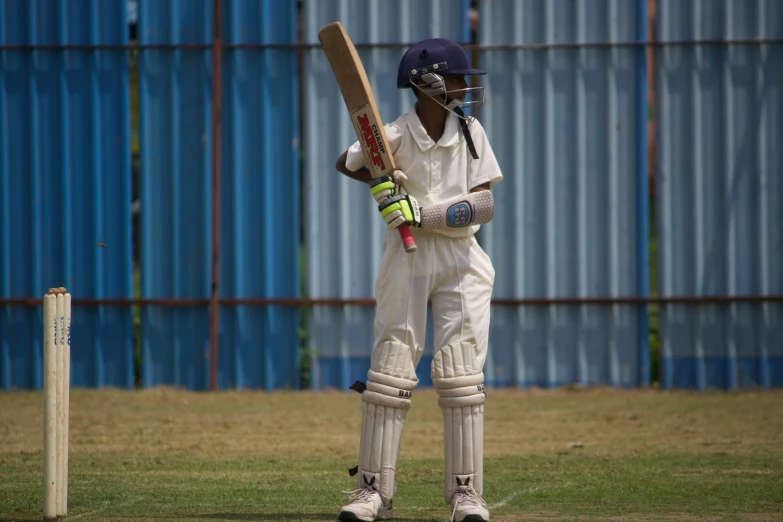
{"x": 653, "y": 332}
{"x": 134, "y": 100}
{"x": 136, "y": 315}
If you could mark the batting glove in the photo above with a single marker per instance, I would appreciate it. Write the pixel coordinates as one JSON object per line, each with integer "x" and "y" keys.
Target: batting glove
{"x": 399, "y": 210}
{"x": 384, "y": 187}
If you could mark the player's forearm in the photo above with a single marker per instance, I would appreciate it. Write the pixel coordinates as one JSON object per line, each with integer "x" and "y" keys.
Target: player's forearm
{"x": 477, "y": 208}
{"x": 362, "y": 174}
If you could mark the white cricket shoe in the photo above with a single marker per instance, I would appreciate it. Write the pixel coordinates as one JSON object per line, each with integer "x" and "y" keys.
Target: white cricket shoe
{"x": 365, "y": 504}
{"x": 468, "y": 506}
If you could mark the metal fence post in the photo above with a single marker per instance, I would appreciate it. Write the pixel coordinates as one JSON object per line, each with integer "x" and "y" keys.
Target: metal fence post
{"x": 217, "y": 50}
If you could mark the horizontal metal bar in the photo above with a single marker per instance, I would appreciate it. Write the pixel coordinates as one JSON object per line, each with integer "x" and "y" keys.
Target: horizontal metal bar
{"x": 649, "y": 43}
{"x": 634, "y": 300}
{"x": 294, "y": 301}
{"x": 395, "y": 45}
{"x": 103, "y": 47}
{"x": 177, "y": 303}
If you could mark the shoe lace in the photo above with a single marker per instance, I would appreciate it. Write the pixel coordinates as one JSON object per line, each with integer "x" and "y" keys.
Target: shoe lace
{"x": 360, "y": 495}
{"x": 466, "y": 495}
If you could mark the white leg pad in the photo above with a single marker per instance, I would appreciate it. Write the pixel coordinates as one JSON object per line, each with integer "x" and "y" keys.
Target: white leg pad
{"x": 385, "y": 403}
{"x": 459, "y": 381}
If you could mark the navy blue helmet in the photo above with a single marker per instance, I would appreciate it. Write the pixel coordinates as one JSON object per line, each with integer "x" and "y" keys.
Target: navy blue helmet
{"x": 434, "y": 55}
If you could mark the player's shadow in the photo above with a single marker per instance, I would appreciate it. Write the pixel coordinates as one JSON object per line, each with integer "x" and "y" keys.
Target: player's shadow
{"x": 287, "y": 516}
{"x": 264, "y": 516}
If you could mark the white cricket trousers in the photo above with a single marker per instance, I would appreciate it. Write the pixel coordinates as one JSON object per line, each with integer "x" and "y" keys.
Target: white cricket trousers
{"x": 455, "y": 274}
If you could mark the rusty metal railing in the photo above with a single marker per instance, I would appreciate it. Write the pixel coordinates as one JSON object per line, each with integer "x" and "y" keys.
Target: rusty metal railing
{"x": 210, "y": 46}
{"x": 362, "y": 301}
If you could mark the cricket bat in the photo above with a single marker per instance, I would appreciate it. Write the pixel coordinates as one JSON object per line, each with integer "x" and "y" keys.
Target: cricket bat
{"x": 360, "y": 101}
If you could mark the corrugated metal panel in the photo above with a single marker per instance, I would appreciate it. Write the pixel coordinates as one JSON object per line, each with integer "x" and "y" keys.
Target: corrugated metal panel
{"x": 260, "y": 209}
{"x": 65, "y": 180}
{"x": 259, "y": 190}
{"x": 343, "y": 231}
{"x": 720, "y": 192}
{"x": 565, "y": 124}
{"x": 175, "y": 136}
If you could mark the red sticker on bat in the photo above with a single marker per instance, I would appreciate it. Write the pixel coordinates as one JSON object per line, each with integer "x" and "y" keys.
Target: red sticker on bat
{"x": 373, "y": 144}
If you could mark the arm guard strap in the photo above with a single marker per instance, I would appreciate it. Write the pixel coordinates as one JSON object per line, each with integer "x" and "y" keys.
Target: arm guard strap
{"x": 461, "y": 211}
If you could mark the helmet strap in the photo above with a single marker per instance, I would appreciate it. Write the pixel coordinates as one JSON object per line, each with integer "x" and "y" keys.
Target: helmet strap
{"x": 435, "y": 87}
{"x": 465, "y": 130}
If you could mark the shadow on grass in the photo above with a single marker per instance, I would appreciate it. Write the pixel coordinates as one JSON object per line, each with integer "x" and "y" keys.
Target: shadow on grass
{"x": 287, "y": 516}
{"x": 266, "y": 516}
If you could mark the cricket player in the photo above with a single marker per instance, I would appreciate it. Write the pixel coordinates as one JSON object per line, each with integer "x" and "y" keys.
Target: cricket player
{"x": 441, "y": 190}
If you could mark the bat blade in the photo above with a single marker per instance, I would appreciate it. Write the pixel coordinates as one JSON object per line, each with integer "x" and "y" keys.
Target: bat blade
{"x": 360, "y": 101}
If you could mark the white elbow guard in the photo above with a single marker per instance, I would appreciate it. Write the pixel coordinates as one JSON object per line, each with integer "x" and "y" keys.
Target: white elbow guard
{"x": 461, "y": 211}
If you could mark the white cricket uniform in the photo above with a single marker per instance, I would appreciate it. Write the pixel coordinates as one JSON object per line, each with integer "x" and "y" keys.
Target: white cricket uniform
{"x": 449, "y": 267}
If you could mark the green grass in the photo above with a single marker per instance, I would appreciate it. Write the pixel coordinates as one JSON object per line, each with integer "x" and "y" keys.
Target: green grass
{"x": 173, "y": 455}
{"x": 553, "y": 488}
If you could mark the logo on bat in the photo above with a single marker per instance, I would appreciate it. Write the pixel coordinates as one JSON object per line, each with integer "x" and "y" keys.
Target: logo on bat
{"x": 372, "y": 139}
{"x": 459, "y": 215}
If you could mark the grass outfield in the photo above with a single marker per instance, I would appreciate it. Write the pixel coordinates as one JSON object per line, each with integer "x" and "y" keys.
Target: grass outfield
{"x": 173, "y": 455}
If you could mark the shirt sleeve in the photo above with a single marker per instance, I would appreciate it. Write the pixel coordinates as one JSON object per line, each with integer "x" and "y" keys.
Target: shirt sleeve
{"x": 486, "y": 168}
{"x": 355, "y": 160}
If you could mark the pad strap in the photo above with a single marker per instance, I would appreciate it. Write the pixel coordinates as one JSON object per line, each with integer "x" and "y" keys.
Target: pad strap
{"x": 386, "y": 399}
{"x": 460, "y": 211}
{"x": 459, "y": 381}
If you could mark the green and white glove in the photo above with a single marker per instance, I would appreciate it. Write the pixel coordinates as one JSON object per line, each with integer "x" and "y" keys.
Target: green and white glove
{"x": 399, "y": 210}
{"x": 384, "y": 187}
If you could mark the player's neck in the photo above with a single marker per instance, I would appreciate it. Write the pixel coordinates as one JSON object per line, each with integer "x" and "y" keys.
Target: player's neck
{"x": 433, "y": 118}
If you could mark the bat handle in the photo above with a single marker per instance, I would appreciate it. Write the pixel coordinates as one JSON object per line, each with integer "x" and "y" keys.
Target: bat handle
{"x": 407, "y": 239}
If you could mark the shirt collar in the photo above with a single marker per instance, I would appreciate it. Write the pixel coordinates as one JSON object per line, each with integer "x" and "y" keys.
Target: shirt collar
{"x": 450, "y": 132}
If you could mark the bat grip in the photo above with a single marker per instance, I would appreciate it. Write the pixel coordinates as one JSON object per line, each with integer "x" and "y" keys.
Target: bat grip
{"x": 407, "y": 238}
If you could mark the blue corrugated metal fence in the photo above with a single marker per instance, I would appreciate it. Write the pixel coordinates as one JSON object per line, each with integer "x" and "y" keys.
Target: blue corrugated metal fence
{"x": 720, "y": 204}
{"x": 260, "y": 223}
{"x": 65, "y": 185}
{"x": 259, "y": 191}
{"x": 567, "y": 115}
{"x": 567, "y": 223}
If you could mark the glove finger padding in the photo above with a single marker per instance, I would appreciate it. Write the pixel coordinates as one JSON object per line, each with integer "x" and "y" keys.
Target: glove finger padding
{"x": 395, "y": 221}
{"x": 400, "y": 209}
{"x": 384, "y": 187}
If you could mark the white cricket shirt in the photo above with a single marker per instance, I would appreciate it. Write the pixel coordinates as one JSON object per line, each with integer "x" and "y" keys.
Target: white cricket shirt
{"x": 437, "y": 171}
